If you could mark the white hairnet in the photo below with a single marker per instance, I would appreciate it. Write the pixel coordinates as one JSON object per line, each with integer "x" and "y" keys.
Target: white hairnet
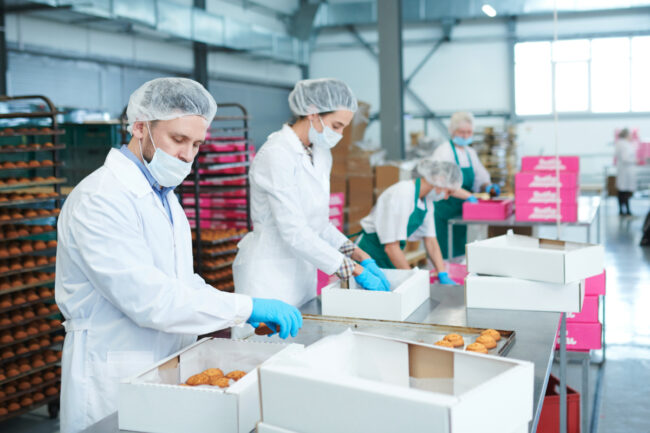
{"x": 442, "y": 174}
{"x": 320, "y": 96}
{"x": 458, "y": 118}
{"x": 170, "y": 98}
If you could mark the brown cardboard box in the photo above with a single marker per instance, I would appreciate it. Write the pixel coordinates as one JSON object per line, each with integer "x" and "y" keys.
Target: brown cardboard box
{"x": 338, "y": 184}
{"x": 339, "y": 167}
{"x": 385, "y": 176}
{"x": 356, "y": 129}
{"x": 360, "y": 191}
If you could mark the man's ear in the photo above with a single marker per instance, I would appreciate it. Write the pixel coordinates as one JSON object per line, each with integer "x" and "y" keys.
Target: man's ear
{"x": 138, "y": 130}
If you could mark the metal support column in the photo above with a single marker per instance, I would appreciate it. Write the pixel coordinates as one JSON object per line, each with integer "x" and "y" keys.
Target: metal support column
{"x": 200, "y": 55}
{"x": 512, "y": 35}
{"x": 389, "y": 26}
{"x": 3, "y": 50}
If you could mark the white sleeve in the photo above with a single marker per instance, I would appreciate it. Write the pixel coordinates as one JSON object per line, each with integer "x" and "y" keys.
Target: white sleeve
{"x": 333, "y": 236}
{"x": 275, "y": 178}
{"x": 391, "y": 216}
{"x": 443, "y": 153}
{"x": 110, "y": 249}
{"x": 481, "y": 175}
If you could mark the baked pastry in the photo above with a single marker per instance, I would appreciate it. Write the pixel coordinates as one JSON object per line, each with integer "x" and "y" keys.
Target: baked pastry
{"x": 214, "y": 372}
{"x": 13, "y": 407}
{"x": 236, "y": 375}
{"x": 221, "y": 382}
{"x": 477, "y": 347}
{"x": 38, "y": 396}
{"x": 51, "y": 391}
{"x": 263, "y": 329}
{"x": 455, "y": 339}
{"x": 492, "y": 333}
{"x": 487, "y": 341}
{"x": 198, "y": 379}
{"x": 443, "y": 343}
{"x": 49, "y": 375}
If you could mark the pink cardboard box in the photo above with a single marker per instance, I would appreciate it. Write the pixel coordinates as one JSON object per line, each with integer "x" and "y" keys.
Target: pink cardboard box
{"x": 457, "y": 272}
{"x": 596, "y": 285}
{"x": 581, "y": 336}
{"x": 549, "y": 163}
{"x": 337, "y": 221}
{"x": 336, "y": 211}
{"x": 545, "y": 195}
{"x": 548, "y": 212}
{"x": 323, "y": 280}
{"x": 589, "y": 313}
{"x": 337, "y": 199}
{"x": 536, "y": 179}
{"x": 487, "y": 210}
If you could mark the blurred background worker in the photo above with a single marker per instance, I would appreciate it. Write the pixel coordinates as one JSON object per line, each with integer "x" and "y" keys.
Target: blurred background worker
{"x": 625, "y": 170}
{"x": 292, "y": 236}
{"x": 475, "y": 179}
{"x": 125, "y": 281}
{"x": 405, "y": 211}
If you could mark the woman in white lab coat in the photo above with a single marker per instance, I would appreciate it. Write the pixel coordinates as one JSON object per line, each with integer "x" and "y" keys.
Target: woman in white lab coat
{"x": 292, "y": 236}
{"x": 625, "y": 171}
{"x": 475, "y": 179}
{"x": 405, "y": 212}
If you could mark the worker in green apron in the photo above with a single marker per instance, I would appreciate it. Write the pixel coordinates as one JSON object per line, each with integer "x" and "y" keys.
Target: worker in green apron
{"x": 475, "y": 179}
{"x": 405, "y": 211}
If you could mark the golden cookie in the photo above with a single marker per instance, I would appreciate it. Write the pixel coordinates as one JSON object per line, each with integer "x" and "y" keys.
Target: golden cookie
{"x": 443, "y": 343}
{"x": 198, "y": 379}
{"x": 487, "y": 341}
{"x": 212, "y": 372}
{"x": 221, "y": 382}
{"x": 492, "y": 333}
{"x": 236, "y": 375}
{"x": 455, "y": 339}
{"x": 477, "y": 347}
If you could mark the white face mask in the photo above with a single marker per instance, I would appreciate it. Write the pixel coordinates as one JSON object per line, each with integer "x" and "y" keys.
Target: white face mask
{"x": 166, "y": 169}
{"x": 436, "y": 196}
{"x": 326, "y": 139}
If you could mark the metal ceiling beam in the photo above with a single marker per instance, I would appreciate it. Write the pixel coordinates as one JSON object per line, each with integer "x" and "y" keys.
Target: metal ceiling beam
{"x": 200, "y": 51}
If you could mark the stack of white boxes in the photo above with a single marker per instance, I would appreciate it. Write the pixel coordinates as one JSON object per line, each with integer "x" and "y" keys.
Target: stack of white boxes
{"x": 514, "y": 272}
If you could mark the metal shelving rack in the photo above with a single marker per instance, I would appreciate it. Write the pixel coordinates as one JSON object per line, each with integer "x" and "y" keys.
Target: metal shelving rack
{"x": 31, "y": 203}
{"x": 216, "y": 196}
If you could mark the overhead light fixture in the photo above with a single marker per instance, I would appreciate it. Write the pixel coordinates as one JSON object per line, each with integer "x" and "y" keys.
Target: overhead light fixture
{"x": 489, "y": 10}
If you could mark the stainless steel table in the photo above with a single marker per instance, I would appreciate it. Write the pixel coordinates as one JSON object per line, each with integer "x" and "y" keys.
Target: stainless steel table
{"x": 535, "y": 340}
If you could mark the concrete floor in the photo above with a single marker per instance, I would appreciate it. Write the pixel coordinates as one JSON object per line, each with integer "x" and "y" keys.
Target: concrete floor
{"x": 626, "y": 372}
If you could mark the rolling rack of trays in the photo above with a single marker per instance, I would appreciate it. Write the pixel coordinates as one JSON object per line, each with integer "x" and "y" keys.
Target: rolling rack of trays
{"x": 31, "y": 334}
{"x": 216, "y": 196}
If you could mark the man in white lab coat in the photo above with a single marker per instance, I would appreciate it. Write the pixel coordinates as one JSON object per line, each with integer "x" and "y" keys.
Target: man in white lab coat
{"x": 124, "y": 279}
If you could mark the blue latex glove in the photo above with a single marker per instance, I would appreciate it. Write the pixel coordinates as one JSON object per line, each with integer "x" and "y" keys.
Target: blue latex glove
{"x": 495, "y": 187}
{"x": 371, "y": 265}
{"x": 443, "y": 278}
{"x": 273, "y": 312}
{"x": 369, "y": 281}
{"x": 472, "y": 199}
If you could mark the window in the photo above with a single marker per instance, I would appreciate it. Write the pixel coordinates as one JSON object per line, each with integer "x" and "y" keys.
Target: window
{"x": 603, "y": 75}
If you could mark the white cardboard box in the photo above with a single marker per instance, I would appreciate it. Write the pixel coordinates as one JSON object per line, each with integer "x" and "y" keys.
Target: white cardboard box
{"x": 535, "y": 259}
{"x": 267, "y": 428}
{"x": 154, "y": 402}
{"x": 409, "y": 289}
{"x": 504, "y": 293}
{"x": 355, "y": 382}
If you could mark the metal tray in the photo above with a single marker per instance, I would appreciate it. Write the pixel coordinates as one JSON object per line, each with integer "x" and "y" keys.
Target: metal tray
{"x": 316, "y": 327}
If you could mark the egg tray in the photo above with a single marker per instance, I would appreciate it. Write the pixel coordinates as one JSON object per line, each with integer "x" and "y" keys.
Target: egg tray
{"x": 30, "y": 337}
{"x": 30, "y": 320}
{"x": 25, "y": 304}
{"x": 56, "y": 363}
{"x": 54, "y": 346}
{"x": 31, "y": 201}
{"x": 31, "y": 184}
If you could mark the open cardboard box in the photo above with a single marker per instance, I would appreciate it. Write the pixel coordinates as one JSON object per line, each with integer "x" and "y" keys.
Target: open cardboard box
{"x": 409, "y": 289}
{"x": 354, "y": 382}
{"x": 503, "y": 293}
{"x": 535, "y": 259}
{"x": 153, "y": 401}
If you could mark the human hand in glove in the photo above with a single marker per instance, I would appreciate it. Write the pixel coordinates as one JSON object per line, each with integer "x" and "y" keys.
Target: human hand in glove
{"x": 472, "y": 199}
{"x": 494, "y": 190}
{"x": 443, "y": 278}
{"x": 276, "y": 313}
{"x": 369, "y": 281}
{"x": 371, "y": 265}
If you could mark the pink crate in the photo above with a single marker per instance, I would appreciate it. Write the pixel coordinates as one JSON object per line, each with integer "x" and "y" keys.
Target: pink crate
{"x": 549, "y": 163}
{"x": 589, "y": 313}
{"x": 533, "y": 179}
{"x": 337, "y": 199}
{"x": 596, "y": 285}
{"x": 216, "y": 159}
{"x": 215, "y": 202}
{"x": 487, "y": 210}
{"x": 456, "y": 271}
{"x": 323, "y": 280}
{"x": 336, "y": 211}
{"x": 545, "y": 196}
{"x": 569, "y": 212}
{"x": 581, "y": 336}
{"x": 207, "y": 213}
{"x": 337, "y": 221}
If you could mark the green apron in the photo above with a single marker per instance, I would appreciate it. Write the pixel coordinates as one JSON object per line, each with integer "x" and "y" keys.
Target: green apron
{"x": 444, "y": 210}
{"x": 370, "y": 241}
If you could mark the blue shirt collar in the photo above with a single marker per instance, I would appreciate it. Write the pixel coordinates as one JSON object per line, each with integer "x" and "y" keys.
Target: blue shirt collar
{"x": 160, "y": 190}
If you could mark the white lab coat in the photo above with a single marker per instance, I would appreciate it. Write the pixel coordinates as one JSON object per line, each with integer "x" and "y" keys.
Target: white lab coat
{"x": 126, "y": 287}
{"x": 292, "y": 235}
{"x": 390, "y": 216}
{"x": 625, "y": 165}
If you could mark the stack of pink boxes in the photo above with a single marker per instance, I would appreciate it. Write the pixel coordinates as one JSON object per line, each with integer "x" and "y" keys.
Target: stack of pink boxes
{"x": 536, "y": 188}
{"x": 584, "y": 330}
{"x": 337, "y": 200}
